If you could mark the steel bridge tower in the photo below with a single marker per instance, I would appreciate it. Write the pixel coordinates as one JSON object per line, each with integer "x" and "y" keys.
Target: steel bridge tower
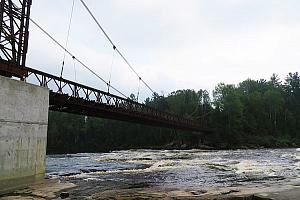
{"x": 14, "y": 24}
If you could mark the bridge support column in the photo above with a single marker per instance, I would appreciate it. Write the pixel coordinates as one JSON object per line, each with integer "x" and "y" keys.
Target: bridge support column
{"x": 23, "y": 133}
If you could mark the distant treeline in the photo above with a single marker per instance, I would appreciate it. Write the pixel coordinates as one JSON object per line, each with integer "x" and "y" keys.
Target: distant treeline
{"x": 252, "y": 114}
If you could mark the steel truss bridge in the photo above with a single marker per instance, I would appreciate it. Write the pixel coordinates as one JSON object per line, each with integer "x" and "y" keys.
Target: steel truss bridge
{"x": 69, "y": 96}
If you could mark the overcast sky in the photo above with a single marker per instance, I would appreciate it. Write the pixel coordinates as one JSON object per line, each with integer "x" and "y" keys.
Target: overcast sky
{"x": 172, "y": 44}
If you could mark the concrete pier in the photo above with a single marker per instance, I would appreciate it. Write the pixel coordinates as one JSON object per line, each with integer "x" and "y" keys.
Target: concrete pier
{"x": 23, "y": 133}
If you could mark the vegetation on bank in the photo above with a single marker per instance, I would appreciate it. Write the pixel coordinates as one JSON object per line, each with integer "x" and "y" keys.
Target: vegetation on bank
{"x": 254, "y": 113}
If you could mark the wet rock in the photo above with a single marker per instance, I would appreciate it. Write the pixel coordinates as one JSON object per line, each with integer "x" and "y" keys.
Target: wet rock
{"x": 138, "y": 185}
{"x": 92, "y": 170}
{"x": 69, "y": 174}
{"x": 64, "y": 195}
{"x": 296, "y": 184}
{"x": 198, "y": 192}
{"x": 219, "y": 167}
{"x": 252, "y": 197}
{"x": 143, "y": 159}
{"x": 85, "y": 170}
{"x": 230, "y": 191}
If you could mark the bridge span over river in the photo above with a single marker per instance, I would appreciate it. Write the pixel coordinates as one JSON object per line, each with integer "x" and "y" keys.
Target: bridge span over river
{"x": 27, "y": 94}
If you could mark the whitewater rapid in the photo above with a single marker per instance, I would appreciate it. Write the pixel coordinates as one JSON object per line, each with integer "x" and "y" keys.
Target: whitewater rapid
{"x": 177, "y": 168}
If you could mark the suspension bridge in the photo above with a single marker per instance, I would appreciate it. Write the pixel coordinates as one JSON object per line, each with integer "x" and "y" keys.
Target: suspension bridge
{"x": 27, "y": 94}
{"x": 69, "y": 96}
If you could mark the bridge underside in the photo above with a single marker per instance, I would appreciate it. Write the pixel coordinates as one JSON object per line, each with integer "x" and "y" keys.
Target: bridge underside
{"x": 68, "y": 96}
{"x": 63, "y": 103}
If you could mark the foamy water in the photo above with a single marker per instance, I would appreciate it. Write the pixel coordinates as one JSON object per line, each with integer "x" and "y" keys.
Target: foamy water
{"x": 176, "y": 168}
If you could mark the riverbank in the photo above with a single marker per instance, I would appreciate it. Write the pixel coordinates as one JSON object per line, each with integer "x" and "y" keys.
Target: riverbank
{"x": 52, "y": 189}
{"x": 287, "y": 192}
{"x": 262, "y": 142}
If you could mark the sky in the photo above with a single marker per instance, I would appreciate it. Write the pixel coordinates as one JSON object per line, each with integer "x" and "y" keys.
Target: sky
{"x": 172, "y": 44}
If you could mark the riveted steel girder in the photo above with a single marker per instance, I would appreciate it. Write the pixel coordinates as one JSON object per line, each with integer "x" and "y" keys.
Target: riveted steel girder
{"x": 14, "y": 24}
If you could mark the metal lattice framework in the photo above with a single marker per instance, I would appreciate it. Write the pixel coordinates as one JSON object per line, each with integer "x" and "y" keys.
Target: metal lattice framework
{"x": 72, "y": 97}
{"x": 14, "y": 16}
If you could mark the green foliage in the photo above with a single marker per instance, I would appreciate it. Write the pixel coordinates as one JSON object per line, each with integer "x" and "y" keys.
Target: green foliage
{"x": 254, "y": 113}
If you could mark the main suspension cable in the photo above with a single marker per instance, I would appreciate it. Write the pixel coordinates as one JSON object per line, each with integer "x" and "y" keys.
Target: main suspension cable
{"x": 67, "y": 40}
{"x": 79, "y": 61}
{"x": 114, "y": 46}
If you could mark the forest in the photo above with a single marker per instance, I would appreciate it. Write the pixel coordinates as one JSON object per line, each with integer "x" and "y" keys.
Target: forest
{"x": 252, "y": 114}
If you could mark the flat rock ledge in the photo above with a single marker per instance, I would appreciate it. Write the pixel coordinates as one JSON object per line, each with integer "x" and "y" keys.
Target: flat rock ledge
{"x": 52, "y": 189}
{"x": 46, "y": 189}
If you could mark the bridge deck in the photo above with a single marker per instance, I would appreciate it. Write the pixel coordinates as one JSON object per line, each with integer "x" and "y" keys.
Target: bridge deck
{"x": 72, "y": 97}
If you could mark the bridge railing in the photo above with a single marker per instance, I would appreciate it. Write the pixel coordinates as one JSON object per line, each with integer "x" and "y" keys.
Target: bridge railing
{"x": 76, "y": 90}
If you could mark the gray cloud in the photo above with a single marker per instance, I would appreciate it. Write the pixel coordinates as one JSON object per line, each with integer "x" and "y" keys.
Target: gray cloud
{"x": 171, "y": 43}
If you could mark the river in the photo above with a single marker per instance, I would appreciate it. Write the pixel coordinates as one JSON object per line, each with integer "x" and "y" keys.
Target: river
{"x": 175, "y": 168}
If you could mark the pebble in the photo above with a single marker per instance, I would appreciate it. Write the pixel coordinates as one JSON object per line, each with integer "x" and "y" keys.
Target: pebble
{"x": 64, "y": 195}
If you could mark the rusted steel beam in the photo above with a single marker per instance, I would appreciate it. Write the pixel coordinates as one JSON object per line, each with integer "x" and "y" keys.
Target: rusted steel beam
{"x": 10, "y": 69}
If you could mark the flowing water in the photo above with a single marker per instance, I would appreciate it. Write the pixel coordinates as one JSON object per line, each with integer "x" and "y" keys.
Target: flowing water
{"x": 176, "y": 168}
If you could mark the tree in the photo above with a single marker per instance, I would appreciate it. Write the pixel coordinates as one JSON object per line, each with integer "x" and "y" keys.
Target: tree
{"x": 274, "y": 103}
{"x": 227, "y": 100}
{"x": 275, "y": 80}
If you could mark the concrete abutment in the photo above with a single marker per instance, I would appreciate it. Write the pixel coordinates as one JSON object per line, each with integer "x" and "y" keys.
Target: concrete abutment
{"x": 23, "y": 133}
